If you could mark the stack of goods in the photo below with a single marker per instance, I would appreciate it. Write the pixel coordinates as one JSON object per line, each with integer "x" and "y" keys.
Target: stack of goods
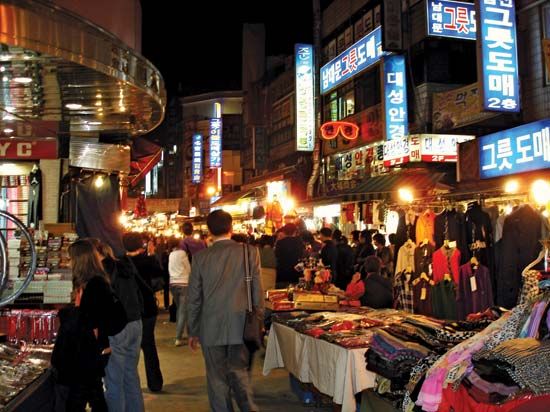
{"x": 29, "y": 326}
{"x": 504, "y": 366}
{"x": 285, "y": 299}
{"x": 54, "y": 252}
{"x": 14, "y": 256}
{"x": 19, "y": 368}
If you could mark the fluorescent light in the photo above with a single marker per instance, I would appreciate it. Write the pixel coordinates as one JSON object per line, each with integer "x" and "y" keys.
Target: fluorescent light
{"x": 94, "y": 123}
{"x": 73, "y": 106}
{"x": 8, "y": 130}
{"x": 22, "y": 80}
{"x": 98, "y": 103}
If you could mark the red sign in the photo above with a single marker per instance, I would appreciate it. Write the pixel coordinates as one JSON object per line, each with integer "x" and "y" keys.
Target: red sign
{"x": 28, "y": 149}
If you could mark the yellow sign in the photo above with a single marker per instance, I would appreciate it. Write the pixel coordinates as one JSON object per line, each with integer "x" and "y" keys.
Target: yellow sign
{"x": 546, "y": 49}
{"x": 457, "y": 108}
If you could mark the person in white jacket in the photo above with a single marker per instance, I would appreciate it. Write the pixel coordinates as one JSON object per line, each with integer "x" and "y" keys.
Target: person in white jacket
{"x": 179, "y": 269}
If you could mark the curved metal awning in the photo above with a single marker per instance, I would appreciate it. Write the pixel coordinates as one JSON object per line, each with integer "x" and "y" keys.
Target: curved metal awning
{"x": 57, "y": 66}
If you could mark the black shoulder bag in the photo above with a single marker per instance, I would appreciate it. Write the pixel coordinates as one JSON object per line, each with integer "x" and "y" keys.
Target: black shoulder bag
{"x": 253, "y": 325}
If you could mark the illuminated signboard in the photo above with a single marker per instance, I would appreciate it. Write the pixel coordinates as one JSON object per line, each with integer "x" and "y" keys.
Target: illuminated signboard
{"x": 521, "y": 149}
{"x": 395, "y": 97}
{"x": 196, "y": 165}
{"x": 454, "y": 19}
{"x": 305, "y": 107}
{"x": 355, "y": 59}
{"x": 216, "y": 142}
{"x": 432, "y": 148}
{"x": 498, "y": 57}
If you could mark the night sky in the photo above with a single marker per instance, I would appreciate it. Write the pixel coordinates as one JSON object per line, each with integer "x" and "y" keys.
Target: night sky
{"x": 207, "y": 37}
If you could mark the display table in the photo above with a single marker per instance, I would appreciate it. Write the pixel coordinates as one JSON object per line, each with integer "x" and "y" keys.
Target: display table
{"x": 37, "y": 397}
{"x": 332, "y": 369}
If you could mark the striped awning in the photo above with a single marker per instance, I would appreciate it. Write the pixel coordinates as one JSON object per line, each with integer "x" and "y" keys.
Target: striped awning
{"x": 386, "y": 187}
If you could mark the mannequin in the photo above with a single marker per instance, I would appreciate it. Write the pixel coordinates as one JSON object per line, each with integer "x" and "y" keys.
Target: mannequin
{"x": 35, "y": 197}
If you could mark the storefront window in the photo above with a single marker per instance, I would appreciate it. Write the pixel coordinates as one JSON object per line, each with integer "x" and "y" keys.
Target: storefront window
{"x": 350, "y": 103}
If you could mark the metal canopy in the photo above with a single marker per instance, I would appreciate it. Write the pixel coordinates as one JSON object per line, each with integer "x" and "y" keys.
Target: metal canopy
{"x": 55, "y": 65}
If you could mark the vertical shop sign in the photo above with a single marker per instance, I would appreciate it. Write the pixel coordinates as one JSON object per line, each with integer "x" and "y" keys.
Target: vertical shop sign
{"x": 305, "y": 108}
{"x": 521, "y": 149}
{"x": 352, "y": 61}
{"x": 497, "y": 59}
{"x": 196, "y": 165}
{"x": 395, "y": 97}
{"x": 393, "y": 33}
{"x": 454, "y": 19}
{"x": 216, "y": 142}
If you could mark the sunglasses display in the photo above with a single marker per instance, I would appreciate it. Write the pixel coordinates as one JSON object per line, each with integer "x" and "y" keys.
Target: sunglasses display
{"x": 330, "y": 130}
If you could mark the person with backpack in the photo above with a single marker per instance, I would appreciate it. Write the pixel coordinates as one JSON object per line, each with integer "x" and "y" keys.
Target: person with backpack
{"x": 179, "y": 267}
{"x": 123, "y": 388}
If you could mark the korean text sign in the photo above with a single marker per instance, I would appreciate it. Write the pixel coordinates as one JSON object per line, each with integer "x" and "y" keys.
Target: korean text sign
{"x": 498, "y": 60}
{"x": 451, "y": 19}
{"x": 196, "y": 165}
{"x": 355, "y": 59}
{"x": 395, "y": 97}
{"x": 521, "y": 149}
{"x": 305, "y": 108}
{"x": 216, "y": 142}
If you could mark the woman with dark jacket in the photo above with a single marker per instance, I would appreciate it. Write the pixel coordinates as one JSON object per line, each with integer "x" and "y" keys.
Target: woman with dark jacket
{"x": 378, "y": 289}
{"x": 82, "y": 346}
{"x": 149, "y": 272}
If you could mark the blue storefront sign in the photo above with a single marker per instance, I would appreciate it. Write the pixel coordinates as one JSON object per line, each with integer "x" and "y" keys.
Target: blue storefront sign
{"x": 498, "y": 58}
{"x": 216, "y": 142}
{"x": 355, "y": 59}
{"x": 196, "y": 163}
{"x": 395, "y": 97}
{"x": 454, "y": 19}
{"x": 521, "y": 149}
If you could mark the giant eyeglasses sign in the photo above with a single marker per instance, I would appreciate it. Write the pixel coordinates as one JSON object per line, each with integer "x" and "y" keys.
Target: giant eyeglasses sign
{"x": 216, "y": 142}
{"x": 330, "y": 130}
{"x": 358, "y": 57}
{"x": 196, "y": 163}
{"x": 498, "y": 57}
{"x": 521, "y": 149}
{"x": 454, "y": 19}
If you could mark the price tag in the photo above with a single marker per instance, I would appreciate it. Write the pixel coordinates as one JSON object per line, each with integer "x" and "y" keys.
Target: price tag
{"x": 423, "y": 293}
{"x": 473, "y": 283}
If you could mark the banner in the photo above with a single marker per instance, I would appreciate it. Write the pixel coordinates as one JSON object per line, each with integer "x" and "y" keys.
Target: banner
{"x": 196, "y": 165}
{"x": 457, "y": 108}
{"x": 305, "y": 107}
{"x": 454, "y": 19}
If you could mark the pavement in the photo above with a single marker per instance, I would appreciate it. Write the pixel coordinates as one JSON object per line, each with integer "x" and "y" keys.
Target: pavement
{"x": 185, "y": 380}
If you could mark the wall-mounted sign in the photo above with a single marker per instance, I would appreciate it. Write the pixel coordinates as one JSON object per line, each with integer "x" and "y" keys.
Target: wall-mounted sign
{"x": 497, "y": 55}
{"x": 431, "y": 148}
{"x": 216, "y": 142}
{"x": 392, "y": 36}
{"x": 330, "y": 130}
{"x": 395, "y": 97}
{"x": 305, "y": 107}
{"x": 24, "y": 149}
{"x": 521, "y": 149}
{"x": 196, "y": 163}
{"x": 352, "y": 61}
{"x": 454, "y": 19}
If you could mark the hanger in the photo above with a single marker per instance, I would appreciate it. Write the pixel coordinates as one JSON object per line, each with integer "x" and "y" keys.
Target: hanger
{"x": 447, "y": 276}
{"x": 446, "y": 244}
{"x": 424, "y": 276}
{"x": 474, "y": 262}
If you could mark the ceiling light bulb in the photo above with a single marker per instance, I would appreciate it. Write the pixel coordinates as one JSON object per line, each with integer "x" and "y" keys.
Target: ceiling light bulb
{"x": 8, "y": 130}
{"x": 98, "y": 103}
{"x": 2, "y": 69}
{"x": 122, "y": 108}
{"x": 22, "y": 80}
{"x": 511, "y": 186}
{"x": 98, "y": 96}
{"x": 98, "y": 183}
{"x": 73, "y": 106}
{"x": 5, "y": 78}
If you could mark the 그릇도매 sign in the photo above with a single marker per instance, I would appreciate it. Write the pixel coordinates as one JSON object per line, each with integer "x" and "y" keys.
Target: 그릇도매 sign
{"x": 455, "y": 19}
{"x": 521, "y": 149}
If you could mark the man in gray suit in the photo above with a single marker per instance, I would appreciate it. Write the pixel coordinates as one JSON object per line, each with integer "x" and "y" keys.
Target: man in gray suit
{"x": 217, "y": 309}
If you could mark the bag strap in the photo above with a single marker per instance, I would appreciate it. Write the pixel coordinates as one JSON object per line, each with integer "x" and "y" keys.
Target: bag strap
{"x": 247, "y": 279}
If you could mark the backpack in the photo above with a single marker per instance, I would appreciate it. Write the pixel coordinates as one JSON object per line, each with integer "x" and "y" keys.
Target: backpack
{"x": 124, "y": 280}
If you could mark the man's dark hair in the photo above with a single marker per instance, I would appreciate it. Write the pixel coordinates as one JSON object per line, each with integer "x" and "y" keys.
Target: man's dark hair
{"x": 372, "y": 264}
{"x": 326, "y": 232}
{"x": 132, "y": 241}
{"x": 219, "y": 223}
{"x": 366, "y": 235}
{"x": 307, "y": 237}
{"x": 337, "y": 234}
{"x": 392, "y": 237}
{"x": 188, "y": 228}
{"x": 379, "y": 238}
{"x": 289, "y": 229}
{"x": 355, "y": 235}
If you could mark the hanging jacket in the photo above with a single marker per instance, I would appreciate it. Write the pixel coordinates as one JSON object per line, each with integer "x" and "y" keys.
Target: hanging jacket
{"x": 425, "y": 227}
{"x": 405, "y": 258}
{"x": 469, "y": 300}
{"x": 446, "y": 261}
{"x": 450, "y": 225}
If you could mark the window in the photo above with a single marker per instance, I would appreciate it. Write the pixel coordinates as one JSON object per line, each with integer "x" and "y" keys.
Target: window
{"x": 546, "y": 35}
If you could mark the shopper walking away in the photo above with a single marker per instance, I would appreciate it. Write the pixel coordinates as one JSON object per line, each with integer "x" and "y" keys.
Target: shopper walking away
{"x": 148, "y": 270}
{"x": 378, "y": 293}
{"x": 122, "y": 384}
{"x": 180, "y": 269}
{"x": 217, "y": 309}
{"x": 329, "y": 253}
{"x": 289, "y": 249}
{"x": 189, "y": 243}
{"x": 82, "y": 345}
{"x": 383, "y": 252}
